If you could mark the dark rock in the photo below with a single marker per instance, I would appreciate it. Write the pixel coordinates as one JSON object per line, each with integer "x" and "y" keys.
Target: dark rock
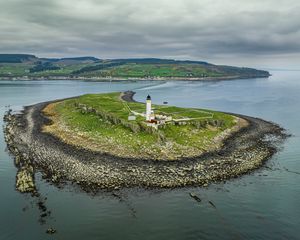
{"x": 51, "y": 230}
{"x": 194, "y": 196}
{"x": 211, "y": 203}
{"x": 42, "y": 206}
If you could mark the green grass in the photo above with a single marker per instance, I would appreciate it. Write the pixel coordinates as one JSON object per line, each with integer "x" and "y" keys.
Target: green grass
{"x": 123, "y": 69}
{"x": 155, "y": 70}
{"x": 185, "y": 139}
{"x": 65, "y": 70}
{"x": 14, "y": 69}
{"x": 22, "y": 69}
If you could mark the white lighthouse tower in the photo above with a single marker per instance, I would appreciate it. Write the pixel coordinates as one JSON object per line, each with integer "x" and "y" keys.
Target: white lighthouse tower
{"x": 148, "y": 108}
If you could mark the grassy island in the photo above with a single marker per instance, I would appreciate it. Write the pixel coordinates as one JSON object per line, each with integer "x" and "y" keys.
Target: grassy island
{"x": 96, "y": 142}
{"x": 99, "y": 122}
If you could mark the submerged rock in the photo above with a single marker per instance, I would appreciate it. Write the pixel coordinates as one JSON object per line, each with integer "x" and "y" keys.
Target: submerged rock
{"x": 212, "y": 204}
{"x": 194, "y": 196}
{"x": 51, "y": 230}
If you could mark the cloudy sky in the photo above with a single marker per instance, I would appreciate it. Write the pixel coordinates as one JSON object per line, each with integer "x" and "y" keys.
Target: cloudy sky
{"x": 239, "y": 32}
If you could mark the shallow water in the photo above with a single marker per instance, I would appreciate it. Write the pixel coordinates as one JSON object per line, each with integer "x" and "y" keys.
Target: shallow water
{"x": 262, "y": 205}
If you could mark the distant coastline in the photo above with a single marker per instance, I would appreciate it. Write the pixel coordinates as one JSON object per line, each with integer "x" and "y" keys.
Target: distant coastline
{"x": 30, "y": 67}
{"x": 25, "y": 78}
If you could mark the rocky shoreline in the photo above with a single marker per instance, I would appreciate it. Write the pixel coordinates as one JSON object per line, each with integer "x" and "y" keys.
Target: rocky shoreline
{"x": 35, "y": 150}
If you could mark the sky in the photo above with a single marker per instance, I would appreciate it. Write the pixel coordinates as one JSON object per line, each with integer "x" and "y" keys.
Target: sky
{"x": 254, "y": 33}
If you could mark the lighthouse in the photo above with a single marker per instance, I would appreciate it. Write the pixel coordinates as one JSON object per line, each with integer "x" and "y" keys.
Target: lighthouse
{"x": 148, "y": 108}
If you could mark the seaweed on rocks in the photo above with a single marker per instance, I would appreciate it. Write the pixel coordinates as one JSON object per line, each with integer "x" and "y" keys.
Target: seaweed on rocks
{"x": 26, "y": 168}
{"x": 23, "y": 162}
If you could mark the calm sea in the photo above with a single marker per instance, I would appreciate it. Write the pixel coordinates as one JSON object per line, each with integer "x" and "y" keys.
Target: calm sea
{"x": 261, "y": 205}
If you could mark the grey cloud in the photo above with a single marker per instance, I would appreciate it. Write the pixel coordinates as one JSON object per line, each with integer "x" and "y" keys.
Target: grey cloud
{"x": 193, "y": 29}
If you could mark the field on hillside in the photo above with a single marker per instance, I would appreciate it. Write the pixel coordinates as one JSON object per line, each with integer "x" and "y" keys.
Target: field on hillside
{"x": 154, "y": 70}
{"x": 123, "y": 71}
{"x": 18, "y": 65}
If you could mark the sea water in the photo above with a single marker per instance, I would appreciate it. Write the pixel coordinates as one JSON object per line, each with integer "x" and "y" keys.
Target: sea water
{"x": 260, "y": 205}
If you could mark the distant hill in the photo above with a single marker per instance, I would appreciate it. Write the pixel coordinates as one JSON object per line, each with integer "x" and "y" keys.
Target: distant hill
{"x": 30, "y": 66}
{"x": 16, "y": 58}
{"x": 156, "y": 61}
{"x": 72, "y": 60}
{"x": 23, "y": 58}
